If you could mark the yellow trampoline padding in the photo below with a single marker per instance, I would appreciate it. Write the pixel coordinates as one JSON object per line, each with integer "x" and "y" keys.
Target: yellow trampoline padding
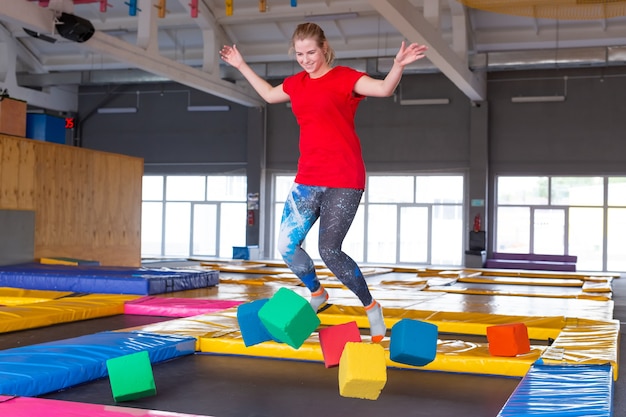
{"x": 576, "y": 340}
{"x": 539, "y": 328}
{"x": 240, "y": 264}
{"x": 541, "y": 274}
{"x": 558, "y": 282}
{"x": 439, "y": 281}
{"x": 586, "y": 342}
{"x": 258, "y": 279}
{"x": 431, "y": 273}
{"x": 61, "y": 311}
{"x": 213, "y": 324}
{"x": 498, "y": 304}
{"x": 518, "y": 290}
{"x": 452, "y": 355}
{"x": 19, "y": 296}
{"x": 597, "y": 287}
{"x": 245, "y": 269}
{"x": 225, "y": 322}
{"x": 417, "y": 284}
{"x": 241, "y": 281}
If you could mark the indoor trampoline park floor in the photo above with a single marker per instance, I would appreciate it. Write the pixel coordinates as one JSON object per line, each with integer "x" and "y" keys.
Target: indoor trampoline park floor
{"x": 573, "y": 319}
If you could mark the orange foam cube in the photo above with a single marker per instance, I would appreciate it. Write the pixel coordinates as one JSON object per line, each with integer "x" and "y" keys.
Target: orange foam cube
{"x": 508, "y": 339}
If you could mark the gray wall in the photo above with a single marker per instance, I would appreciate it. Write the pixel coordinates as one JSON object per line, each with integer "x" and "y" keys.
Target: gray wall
{"x": 169, "y": 138}
{"x": 163, "y": 132}
{"x": 393, "y": 137}
{"x": 582, "y": 135}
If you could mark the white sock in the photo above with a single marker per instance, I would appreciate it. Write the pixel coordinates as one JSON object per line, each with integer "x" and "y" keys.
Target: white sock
{"x": 378, "y": 329}
{"x": 318, "y": 298}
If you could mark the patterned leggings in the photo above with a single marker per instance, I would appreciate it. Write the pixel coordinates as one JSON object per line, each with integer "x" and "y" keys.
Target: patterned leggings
{"x": 336, "y": 208}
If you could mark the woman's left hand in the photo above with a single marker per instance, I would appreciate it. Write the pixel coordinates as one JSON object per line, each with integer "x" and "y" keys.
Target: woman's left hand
{"x": 409, "y": 54}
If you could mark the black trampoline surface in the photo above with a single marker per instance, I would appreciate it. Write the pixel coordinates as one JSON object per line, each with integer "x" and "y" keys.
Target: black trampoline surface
{"x": 236, "y": 386}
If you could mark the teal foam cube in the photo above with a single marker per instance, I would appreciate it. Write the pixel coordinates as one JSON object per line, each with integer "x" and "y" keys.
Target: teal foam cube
{"x": 413, "y": 342}
{"x": 289, "y": 318}
{"x": 131, "y": 376}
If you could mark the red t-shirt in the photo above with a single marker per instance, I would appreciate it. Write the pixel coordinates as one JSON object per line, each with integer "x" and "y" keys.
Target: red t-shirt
{"x": 330, "y": 150}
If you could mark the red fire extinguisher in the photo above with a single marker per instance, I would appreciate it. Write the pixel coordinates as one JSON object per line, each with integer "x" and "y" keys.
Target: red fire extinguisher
{"x": 250, "y": 217}
{"x": 477, "y": 223}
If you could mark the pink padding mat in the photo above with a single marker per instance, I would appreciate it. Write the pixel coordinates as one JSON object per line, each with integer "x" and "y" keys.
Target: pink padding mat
{"x": 176, "y": 307}
{"x": 28, "y": 407}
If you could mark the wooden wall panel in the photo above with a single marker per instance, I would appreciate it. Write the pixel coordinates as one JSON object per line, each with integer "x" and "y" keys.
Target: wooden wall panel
{"x": 87, "y": 203}
{"x": 26, "y": 173}
{"x": 10, "y": 168}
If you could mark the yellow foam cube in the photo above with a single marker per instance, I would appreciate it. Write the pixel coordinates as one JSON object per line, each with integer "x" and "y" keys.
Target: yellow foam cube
{"x": 362, "y": 370}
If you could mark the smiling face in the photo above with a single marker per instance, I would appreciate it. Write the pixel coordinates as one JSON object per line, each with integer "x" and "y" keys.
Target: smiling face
{"x": 311, "y": 57}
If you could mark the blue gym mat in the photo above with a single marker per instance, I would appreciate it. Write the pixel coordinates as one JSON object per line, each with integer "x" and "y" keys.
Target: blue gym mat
{"x": 34, "y": 370}
{"x": 105, "y": 280}
{"x": 563, "y": 391}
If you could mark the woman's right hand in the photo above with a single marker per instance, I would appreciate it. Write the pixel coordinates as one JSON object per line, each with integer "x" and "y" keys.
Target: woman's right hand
{"x": 231, "y": 55}
{"x": 269, "y": 93}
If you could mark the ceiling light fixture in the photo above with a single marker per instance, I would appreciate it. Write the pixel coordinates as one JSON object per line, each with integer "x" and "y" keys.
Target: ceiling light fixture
{"x": 117, "y": 110}
{"x": 424, "y": 101}
{"x": 208, "y": 108}
{"x": 538, "y": 99}
{"x": 543, "y": 99}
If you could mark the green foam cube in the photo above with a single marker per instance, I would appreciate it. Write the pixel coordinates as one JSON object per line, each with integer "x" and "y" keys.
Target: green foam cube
{"x": 131, "y": 376}
{"x": 289, "y": 318}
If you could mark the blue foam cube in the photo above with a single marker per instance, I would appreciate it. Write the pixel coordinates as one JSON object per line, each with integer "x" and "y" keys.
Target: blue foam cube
{"x": 252, "y": 329}
{"x": 246, "y": 252}
{"x": 413, "y": 342}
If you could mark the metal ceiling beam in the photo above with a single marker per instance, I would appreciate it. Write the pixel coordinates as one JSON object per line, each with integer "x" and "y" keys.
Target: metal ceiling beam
{"x": 42, "y": 20}
{"x": 29, "y": 15}
{"x": 147, "y": 28}
{"x": 459, "y": 30}
{"x": 212, "y": 34}
{"x": 173, "y": 70}
{"x": 54, "y": 98}
{"x": 412, "y": 25}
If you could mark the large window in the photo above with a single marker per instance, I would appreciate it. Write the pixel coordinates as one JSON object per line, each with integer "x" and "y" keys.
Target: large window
{"x": 402, "y": 219}
{"x": 583, "y": 216}
{"x": 185, "y": 216}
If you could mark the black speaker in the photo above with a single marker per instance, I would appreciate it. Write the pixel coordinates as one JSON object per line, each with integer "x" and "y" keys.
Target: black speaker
{"x": 477, "y": 240}
{"x": 74, "y": 28}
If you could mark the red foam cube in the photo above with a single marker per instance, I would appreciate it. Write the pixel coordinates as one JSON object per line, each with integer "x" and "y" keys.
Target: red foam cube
{"x": 508, "y": 339}
{"x": 334, "y": 338}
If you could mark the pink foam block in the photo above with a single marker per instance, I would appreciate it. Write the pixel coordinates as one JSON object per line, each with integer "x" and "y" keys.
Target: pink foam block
{"x": 176, "y": 307}
{"x": 28, "y": 407}
{"x": 334, "y": 338}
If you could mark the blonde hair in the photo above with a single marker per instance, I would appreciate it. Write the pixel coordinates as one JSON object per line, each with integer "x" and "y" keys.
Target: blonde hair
{"x": 313, "y": 31}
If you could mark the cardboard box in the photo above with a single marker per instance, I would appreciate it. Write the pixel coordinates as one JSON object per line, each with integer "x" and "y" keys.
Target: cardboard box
{"x": 13, "y": 117}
